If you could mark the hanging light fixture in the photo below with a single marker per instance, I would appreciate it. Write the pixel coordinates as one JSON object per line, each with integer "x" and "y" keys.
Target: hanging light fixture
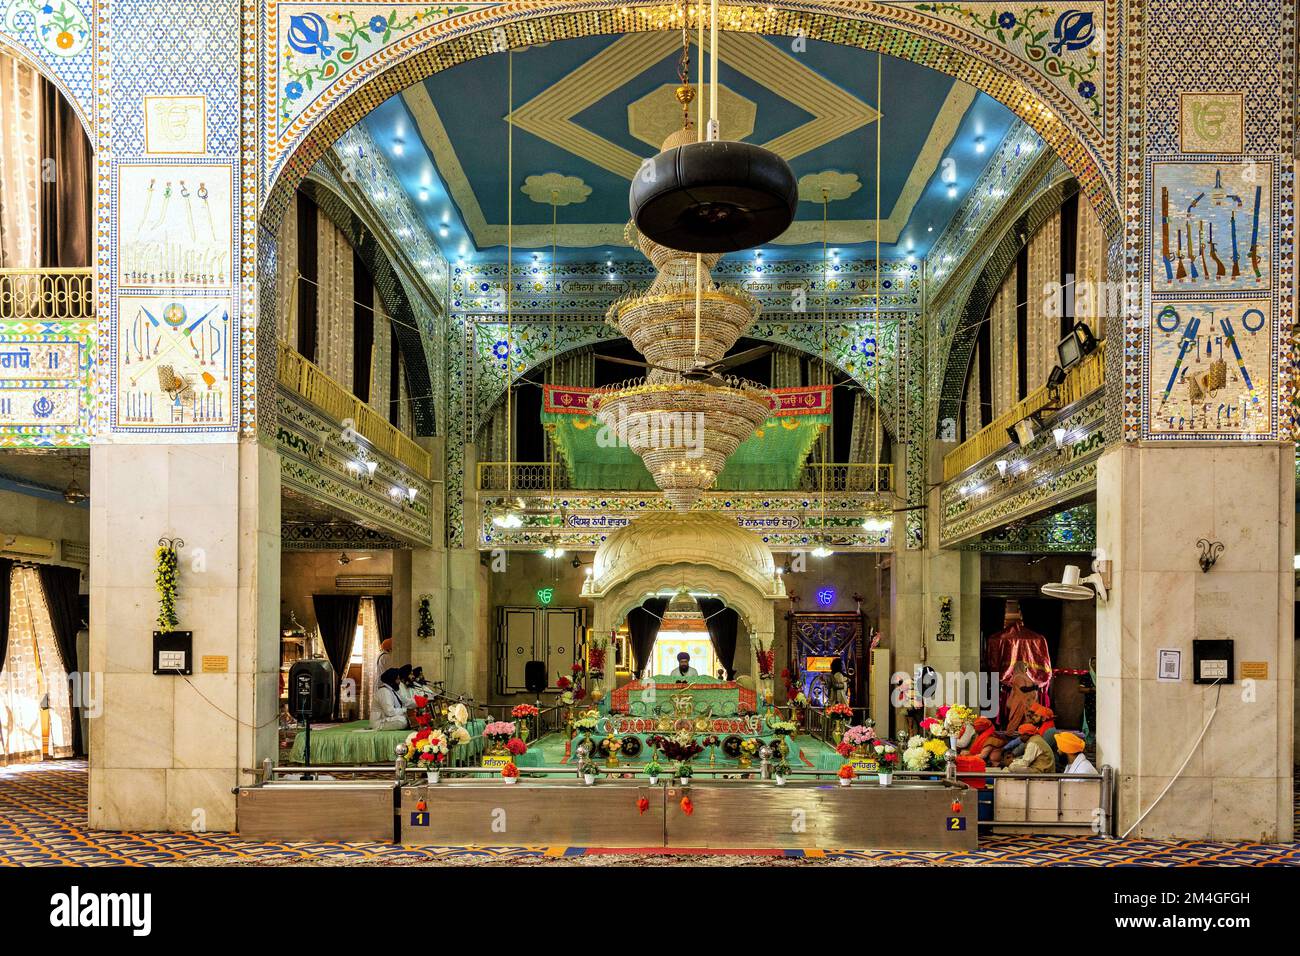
{"x": 713, "y": 195}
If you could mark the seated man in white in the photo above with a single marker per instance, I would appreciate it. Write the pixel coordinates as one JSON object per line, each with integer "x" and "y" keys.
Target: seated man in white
{"x": 684, "y": 668}
{"x": 387, "y": 712}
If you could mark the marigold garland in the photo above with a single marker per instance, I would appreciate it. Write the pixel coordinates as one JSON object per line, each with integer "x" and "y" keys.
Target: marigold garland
{"x": 166, "y": 574}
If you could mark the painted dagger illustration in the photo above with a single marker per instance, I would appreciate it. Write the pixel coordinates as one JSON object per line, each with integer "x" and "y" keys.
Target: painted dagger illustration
{"x": 1228, "y": 334}
{"x": 1189, "y": 337}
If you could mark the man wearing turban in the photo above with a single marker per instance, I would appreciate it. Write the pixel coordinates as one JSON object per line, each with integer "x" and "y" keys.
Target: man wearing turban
{"x": 1037, "y": 756}
{"x": 1071, "y": 745}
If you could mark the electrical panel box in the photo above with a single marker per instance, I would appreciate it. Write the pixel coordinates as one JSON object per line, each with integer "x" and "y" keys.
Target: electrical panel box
{"x": 173, "y": 652}
{"x": 1212, "y": 662}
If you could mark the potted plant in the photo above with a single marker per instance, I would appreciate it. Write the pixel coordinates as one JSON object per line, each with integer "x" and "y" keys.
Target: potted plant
{"x": 510, "y": 773}
{"x": 589, "y": 772}
{"x": 781, "y": 772}
{"x": 683, "y": 772}
{"x": 887, "y": 759}
{"x": 846, "y": 775}
{"x": 653, "y": 770}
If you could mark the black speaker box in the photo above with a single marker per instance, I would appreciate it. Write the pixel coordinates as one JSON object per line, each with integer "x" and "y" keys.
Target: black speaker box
{"x": 535, "y": 676}
{"x": 311, "y": 690}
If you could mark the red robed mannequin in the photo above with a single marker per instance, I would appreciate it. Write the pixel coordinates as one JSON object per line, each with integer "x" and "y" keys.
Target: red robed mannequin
{"x": 1023, "y": 664}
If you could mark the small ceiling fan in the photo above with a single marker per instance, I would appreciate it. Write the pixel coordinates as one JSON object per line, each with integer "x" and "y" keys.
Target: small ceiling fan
{"x": 702, "y": 372}
{"x": 345, "y": 560}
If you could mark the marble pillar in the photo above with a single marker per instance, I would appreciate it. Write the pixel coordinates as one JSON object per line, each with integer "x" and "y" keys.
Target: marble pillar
{"x": 167, "y": 750}
{"x": 1154, "y": 501}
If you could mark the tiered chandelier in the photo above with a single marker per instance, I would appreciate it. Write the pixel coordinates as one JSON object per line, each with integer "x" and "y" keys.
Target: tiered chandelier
{"x": 684, "y": 419}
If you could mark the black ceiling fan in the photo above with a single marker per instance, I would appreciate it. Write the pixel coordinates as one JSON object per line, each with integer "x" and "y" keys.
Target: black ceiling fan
{"x": 703, "y": 372}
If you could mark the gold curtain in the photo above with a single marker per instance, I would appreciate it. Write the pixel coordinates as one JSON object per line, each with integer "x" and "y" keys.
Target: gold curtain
{"x": 369, "y": 655}
{"x": 1045, "y": 302}
{"x": 20, "y": 164}
{"x": 1005, "y": 345}
{"x": 786, "y": 370}
{"x": 33, "y": 674}
{"x": 1090, "y": 268}
{"x": 286, "y": 276}
{"x": 335, "y": 308}
{"x": 972, "y": 398}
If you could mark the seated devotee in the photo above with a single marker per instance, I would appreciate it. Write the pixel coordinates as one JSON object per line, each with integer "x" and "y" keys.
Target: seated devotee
{"x": 419, "y": 681}
{"x": 405, "y": 687}
{"x": 684, "y": 668}
{"x": 387, "y": 712}
{"x": 1045, "y": 719}
{"x": 1037, "y": 756}
{"x": 1071, "y": 746}
{"x": 383, "y": 661}
{"x": 986, "y": 744}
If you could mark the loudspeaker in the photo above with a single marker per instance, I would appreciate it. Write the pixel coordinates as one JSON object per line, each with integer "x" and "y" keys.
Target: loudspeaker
{"x": 535, "y": 676}
{"x": 311, "y": 690}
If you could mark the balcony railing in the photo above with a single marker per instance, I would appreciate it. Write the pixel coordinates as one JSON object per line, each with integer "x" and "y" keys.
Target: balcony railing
{"x": 841, "y": 477}
{"x": 536, "y": 476}
{"x": 1081, "y": 381}
{"x": 45, "y": 294}
{"x": 300, "y": 375}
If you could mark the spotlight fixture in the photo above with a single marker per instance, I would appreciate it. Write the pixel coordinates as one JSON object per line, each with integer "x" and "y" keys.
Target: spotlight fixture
{"x": 1056, "y": 377}
{"x": 821, "y": 551}
{"x": 553, "y": 552}
{"x": 1077, "y": 344}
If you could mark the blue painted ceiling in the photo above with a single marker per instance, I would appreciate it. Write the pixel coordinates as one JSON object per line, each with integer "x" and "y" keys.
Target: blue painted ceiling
{"x": 935, "y": 132}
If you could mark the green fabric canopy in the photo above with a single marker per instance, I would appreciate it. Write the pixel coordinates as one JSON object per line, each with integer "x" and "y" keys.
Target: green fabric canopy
{"x": 769, "y": 460}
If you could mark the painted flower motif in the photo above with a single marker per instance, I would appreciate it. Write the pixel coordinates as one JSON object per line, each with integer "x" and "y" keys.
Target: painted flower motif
{"x": 293, "y": 90}
{"x": 378, "y": 24}
{"x": 1087, "y": 89}
{"x": 500, "y": 348}
{"x": 47, "y": 9}
{"x": 64, "y": 40}
{"x": 1006, "y": 20}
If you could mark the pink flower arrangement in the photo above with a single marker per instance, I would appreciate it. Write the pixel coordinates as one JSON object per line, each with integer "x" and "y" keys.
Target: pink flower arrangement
{"x": 499, "y": 730}
{"x": 859, "y": 735}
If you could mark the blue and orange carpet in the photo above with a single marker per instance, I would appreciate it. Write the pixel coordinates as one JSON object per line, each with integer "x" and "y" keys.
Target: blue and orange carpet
{"x": 43, "y": 823}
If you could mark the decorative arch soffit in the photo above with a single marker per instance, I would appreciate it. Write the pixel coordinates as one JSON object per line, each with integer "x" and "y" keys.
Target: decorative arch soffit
{"x": 487, "y": 401}
{"x": 995, "y": 268}
{"x": 391, "y": 292}
{"x": 754, "y": 608}
{"x": 343, "y": 81}
{"x": 15, "y": 47}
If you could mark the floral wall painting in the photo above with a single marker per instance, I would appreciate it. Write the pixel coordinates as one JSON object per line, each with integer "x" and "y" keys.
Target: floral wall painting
{"x": 1211, "y": 369}
{"x": 175, "y": 125}
{"x": 174, "y": 366}
{"x": 60, "y": 26}
{"x": 175, "y": 229}
{"x": 1212, "y": 225}
{"x": 1212, "y": 122}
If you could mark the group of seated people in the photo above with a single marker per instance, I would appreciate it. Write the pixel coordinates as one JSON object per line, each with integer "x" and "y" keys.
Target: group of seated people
{"x": 393, "y": 696}
{"x": 1031, "y": 748}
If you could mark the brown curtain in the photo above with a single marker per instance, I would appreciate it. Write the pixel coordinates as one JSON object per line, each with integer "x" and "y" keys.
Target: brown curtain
{"x": 66, "y": 194}
{"x": 384, "y": 615}
{"x": 643, "y": 627}
{"x": 6, "y": 590}
{"x": 723, "y": 624}
{"x": 336, "y": 616}
{"x": 62, "y": 589}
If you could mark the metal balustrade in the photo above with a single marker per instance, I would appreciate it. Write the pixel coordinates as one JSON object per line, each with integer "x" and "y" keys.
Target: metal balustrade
{"x": 45, "y": 294}
{"x": 303, "y": 377}
{"x": 1081, "y": 381}
{"x": 537, "y": 476}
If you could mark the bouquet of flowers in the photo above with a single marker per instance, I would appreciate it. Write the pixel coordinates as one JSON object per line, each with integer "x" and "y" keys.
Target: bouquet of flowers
{"x": 427, "y": 746}
{"x": 596, "y": 659}
{"x": 516, "y": 747}
{"x": 886, "y": 756}
{"x": 846, "y": 772}
{"x": 859, "y": 735}
{"x": 749, "y": 747}
{"x": 955, "y": 719}
{"x": 510, "y": 771}
{"x": 923, "y": 754}
{"x": 680, "y": 751}
{"x": 499, "y": 731}
{"x": 766, "y": 662}
{"x": 782, "y": 728}
{"x": 522, "y": 711}
{"x": 840, "y": 711}
{"x": 587, "y": 721}
{"x": 782, "y": 769}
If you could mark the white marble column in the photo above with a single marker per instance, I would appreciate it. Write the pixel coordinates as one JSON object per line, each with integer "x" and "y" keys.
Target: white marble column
{"x": 167, "y": 750}
{"x": 1153, "y": 503}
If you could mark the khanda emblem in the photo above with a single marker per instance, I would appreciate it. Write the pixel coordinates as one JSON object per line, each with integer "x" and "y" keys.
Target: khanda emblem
{"x": 1074, "y": 30}
{"x": 308, "y": 33}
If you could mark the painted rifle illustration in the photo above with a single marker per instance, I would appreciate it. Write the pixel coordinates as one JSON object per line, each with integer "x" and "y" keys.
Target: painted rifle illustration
{"x": 1253, "y": 253}
{"x": 1164, "y": 233}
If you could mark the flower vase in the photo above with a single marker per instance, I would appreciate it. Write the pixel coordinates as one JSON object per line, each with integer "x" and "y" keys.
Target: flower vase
{"x": 496, "y": 748}
{"x": 846, "y": 781}
{"x": 434, "y": 776}
{"x": 654, "y": 779}
{"x": 780, "y": 779}
{"x": 744, "y": 761}
{"x": 523, "y": 730}
{"x": 886, "y": 779}
{"x": 589, "y": 779}
{"x": 510, "y": 779}
{"x": 838, "y": 729}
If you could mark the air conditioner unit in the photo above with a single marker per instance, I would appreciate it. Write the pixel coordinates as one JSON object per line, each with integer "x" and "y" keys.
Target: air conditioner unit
{"x": 370, "y": 583}
{"x": 25, "y": 546}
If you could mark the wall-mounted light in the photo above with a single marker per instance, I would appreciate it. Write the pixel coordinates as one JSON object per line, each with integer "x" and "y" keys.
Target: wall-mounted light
{"x": 1210, "y": 551}
{"x": 1001, "y": 464}
{"x": 1058, "y": 434}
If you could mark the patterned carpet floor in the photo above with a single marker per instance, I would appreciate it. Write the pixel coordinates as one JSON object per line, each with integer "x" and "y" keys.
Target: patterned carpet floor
{"x": 43, "y": 823}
